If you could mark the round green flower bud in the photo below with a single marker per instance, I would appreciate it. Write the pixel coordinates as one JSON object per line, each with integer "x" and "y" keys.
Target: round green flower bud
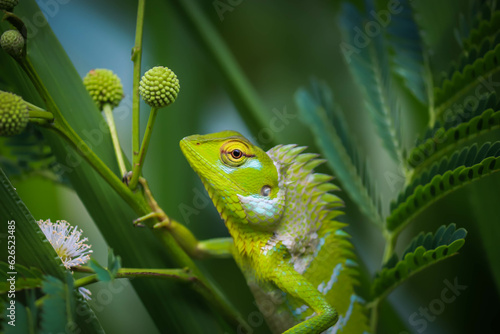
{"x": 104, "y": 86}
{"x": 13, "y": 43}
{"x": 159, "y": 87}
{"x": 14, "y": 115}
{"x": 8, "y": 5}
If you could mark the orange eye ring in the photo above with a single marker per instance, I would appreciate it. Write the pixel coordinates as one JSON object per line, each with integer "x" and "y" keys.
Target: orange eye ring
{"x": 236, "y": 154}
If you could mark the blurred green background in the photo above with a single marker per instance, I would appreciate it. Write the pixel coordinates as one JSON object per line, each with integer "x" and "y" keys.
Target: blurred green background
{"x": 280, "y": 45}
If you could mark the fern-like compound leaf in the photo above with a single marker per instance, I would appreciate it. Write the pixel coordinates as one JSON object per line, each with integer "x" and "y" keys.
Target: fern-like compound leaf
{"x": 489, "y": 25}
{"x": 473, "y": 52}
{"x": 326, "y": 121}
{"x": 423, "y": 251}
{"x": 443, "y": 177}
{"x": 466, "y": 80}
{"x": 445, "y": 140}
{"x": 462, "y": 114}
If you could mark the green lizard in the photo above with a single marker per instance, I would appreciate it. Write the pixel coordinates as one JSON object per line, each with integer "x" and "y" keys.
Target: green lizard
{"x": 297, "y": 260}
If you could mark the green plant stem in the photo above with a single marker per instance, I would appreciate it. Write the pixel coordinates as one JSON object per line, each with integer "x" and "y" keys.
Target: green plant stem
{"x": 180, "y": 275}
{"x": 42, "y": 115}
{"x": 137, "y": 168}
{"x": 374, "y": 316}
{"x": 108, "y": 111}
{"x": 243, "y": 94}
{"x": 136, "y": 58}
{"x": 390, "y": 244}
{"x": 37, "y": 112}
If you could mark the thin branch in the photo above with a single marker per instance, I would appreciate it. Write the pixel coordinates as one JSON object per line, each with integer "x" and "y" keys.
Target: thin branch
{"x": 136, "y": 58}
{"x": 180, "y": 275}
{"x": 108, "y": 111}
{"x": 137, "y": 168}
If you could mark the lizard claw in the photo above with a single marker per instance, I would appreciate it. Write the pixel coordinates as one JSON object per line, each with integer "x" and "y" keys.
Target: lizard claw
{"x": 139, "y": 221}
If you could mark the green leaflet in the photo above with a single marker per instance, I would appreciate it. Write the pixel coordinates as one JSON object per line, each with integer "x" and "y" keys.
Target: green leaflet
{"x": 472, "y": 53}
{"x": 327, "y": 122}
{"x": 109, "y": 273}
{"x": 444, "y": 141}
{"x": 488, "y": 26}
{"x": 476, "y": 65}
{"x": 452, "y": 90}
{"x": 424, "y": 250}
{"x": 461, "y": 115}
{"x": 443, "y": 177}
{"x": 470, "y": 18}
{"x": 478, "y": 27}
{"x": 102, "y": 273}
{"x": 114, "y": 262}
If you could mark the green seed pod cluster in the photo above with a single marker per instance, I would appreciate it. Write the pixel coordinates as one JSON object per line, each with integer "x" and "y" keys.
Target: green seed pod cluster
{"x": 104, "y": 87}
{"x": 8, "y": 5}
{"x": 13, "y": 43}
{"x": 14, "y": 115}
{"x": 159, "y": 87}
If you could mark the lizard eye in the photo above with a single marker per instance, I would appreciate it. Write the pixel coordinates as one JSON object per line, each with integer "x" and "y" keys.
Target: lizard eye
{"x": 234, "y": 153}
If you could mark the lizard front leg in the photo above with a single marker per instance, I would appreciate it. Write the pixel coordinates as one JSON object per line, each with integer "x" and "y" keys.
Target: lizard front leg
{"x": 291, "y": 282}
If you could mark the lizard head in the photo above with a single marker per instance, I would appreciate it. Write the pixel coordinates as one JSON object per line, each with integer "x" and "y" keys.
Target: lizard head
{"x": 241, "y": 179}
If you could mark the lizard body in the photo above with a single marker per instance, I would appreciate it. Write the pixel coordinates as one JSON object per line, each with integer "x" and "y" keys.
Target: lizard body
{"x": 297, "y": 260}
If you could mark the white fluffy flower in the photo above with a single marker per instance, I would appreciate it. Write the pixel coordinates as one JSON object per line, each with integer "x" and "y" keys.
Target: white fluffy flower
{"x": 66, "y": 241}
{"x": 85, "y": 293}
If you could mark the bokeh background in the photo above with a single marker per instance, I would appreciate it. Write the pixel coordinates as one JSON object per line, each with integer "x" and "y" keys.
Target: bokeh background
{"x": 280, "y": 45}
